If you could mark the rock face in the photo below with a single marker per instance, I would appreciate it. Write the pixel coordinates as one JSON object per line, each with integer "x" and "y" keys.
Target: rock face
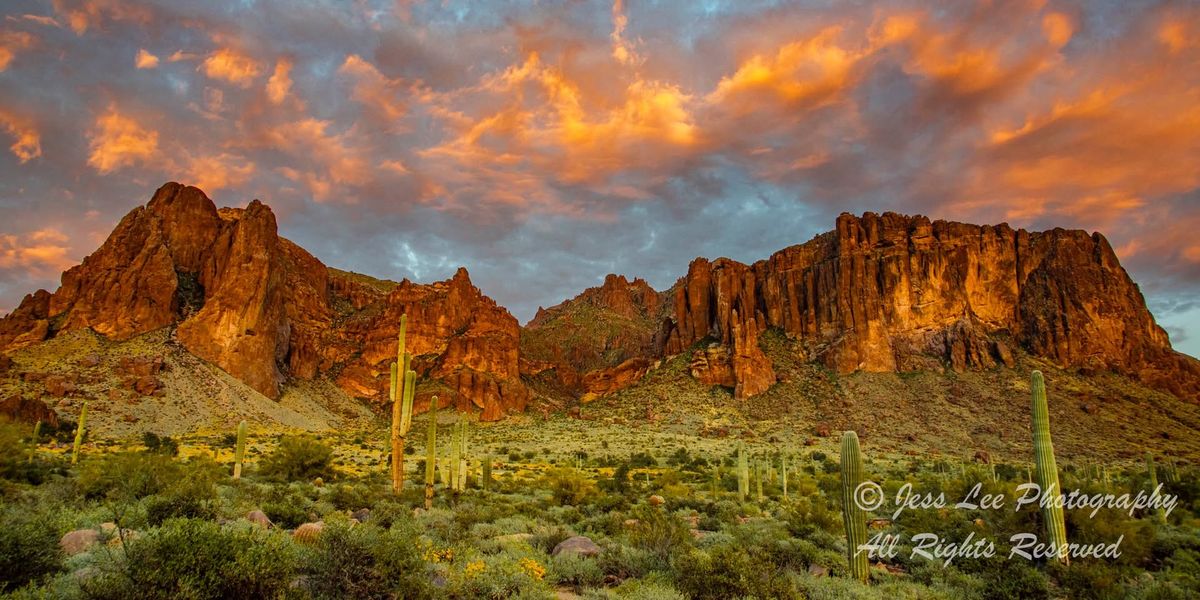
{"x": 879, "y": 293}
{"x": 264, "y": 310}
{"x": 882, "y": 292}
{"x": 601, "y": 340}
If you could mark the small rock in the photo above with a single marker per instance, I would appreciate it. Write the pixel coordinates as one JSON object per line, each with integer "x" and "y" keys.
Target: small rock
{"x": 146, "y": 385}
{"x": 982, "y": 456}
{"x": 657, "y": 500}
{"x": 57, "y": 385}
{"x": 259, "y": 518}
{"x": 91, "y": 360}
{"x": 74, "y": 542}
{"x": 578, "y": 545}
{"x": 817, "y": 570}
{"x": 361, "y": 515}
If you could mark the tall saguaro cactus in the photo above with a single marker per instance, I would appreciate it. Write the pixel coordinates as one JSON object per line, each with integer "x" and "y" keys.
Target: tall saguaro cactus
{"x": 853, "y": 516}
{"x": 783, "y": 474}
{"x": 79, "y": 433}
{"x": 239, "y": 452}
{"x": 33, "y": 443}
{"x": 401, "y": 392}
{"x": 759, "y": 473}
{"x": 1047, "y": 469}
{"x": 743, "y": 472}
{"x": 430, "y": 452}
{"x": 486, "y": 481}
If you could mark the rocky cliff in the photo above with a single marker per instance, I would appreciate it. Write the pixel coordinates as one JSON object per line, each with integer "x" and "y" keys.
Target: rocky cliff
{"x": 264, "y": 310}
{"x": 879, "y": 293}
{"x": 891, "y": 292}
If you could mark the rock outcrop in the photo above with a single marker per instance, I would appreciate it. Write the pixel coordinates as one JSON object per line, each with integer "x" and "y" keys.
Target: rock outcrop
{"x": 881, "y": 291}
{"x": 264, "y": 310}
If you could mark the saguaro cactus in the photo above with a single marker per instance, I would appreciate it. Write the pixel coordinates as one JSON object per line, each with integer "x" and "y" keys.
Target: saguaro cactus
{"x": 783, "y": 474}
{"x": 853, "y": 516}
{"x": 759, "y": 473}
{"x": 463, "y": 456}
{"x": 79, "y": 433}
{"x": 1047, "y": 469}
{"x": 431, "y": 452}
{"x": 33, "y": 443}
{"x": 401, "y": 392}
{"x": 239, "y": 452}
{"x": 1158, "y": 513}
{"x": 743, "y": 472}
{"x": 487, "y": 471}
{"x": 456, "y": 454}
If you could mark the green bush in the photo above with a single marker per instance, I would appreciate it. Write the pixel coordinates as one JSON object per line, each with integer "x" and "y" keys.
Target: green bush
{"x": 29, "y": 547}
{"x": 195, "y": 559}
{"x": 366, "y": 562}
{"x": 298, "y": 458}
{"x": 128, "y": 475}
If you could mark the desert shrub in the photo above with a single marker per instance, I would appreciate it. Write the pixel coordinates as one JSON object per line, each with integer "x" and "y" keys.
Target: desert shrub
{"x": 625, "y": 562}
{"x": 567, "y": 486}
{"x": 351, "y": 497}
{"x": 28, "y": 546}
{"x": 298, "y": 458}
{"x": 193, "y": 496}
{"x": 286, "y": 514}
{"x": 576, "y": 571}
{"x": 511, "y": 573}
{"x": 13, "y": 448}
{"x": 197, "y": 559}
{"x": 160, "y": 444}
{"x": 366, "y": 561}
{"x": 658, "y": 532}
{"x": 729, "y": 572}
{"x": 128, "y": 475}
{"x": 1015, "y": 580}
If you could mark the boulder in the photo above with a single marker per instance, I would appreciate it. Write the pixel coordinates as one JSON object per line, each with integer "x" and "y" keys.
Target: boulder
{"x": 577, "y": 545}
{"x": 74, "y": 542}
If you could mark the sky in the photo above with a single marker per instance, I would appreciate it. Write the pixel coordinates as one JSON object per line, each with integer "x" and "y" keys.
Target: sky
{"x": 545, "y": 144}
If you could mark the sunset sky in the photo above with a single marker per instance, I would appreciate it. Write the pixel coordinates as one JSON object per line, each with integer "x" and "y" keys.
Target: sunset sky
{"x": 544, "y": 145}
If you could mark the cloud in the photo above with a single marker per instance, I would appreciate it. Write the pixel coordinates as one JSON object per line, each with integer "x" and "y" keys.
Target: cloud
{"x": 27, "y": 143}
{"x": 545, "y": 145}
{"x": 12, "y": 43}
{"x": 279, "y": 86}
{"x": 227, "y": 64}
{"x": 145, "y": 60}
{"x": 118, "y": 141}
{"x": 374, "y": 90}
{"x": 42, "y": 252}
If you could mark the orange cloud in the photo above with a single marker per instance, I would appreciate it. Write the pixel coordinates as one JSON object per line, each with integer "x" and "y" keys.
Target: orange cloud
{"x": 145, "y": 60}
{"x": 373, "y": 89}
{"x": 11, "y": 43}
{"x": 334, "y": 159}
{"x": 622, "y": 50}
{"x": 82, "y": 15}
{"x": 227, "y": 64}
{"x": 27, "y": 144}
{"x": 42, "y": 253}
{"x": 806, "y": 72}
{"x": 214, "y": 172}
{"x": 279, "y": 86}
{"x": 120, "y": 141}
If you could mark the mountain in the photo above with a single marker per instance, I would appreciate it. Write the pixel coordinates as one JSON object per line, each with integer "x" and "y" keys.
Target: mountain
{"x": 886, "y": 293}
{"x": 183, "y": 296}
{"x": 239, "y": 296}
